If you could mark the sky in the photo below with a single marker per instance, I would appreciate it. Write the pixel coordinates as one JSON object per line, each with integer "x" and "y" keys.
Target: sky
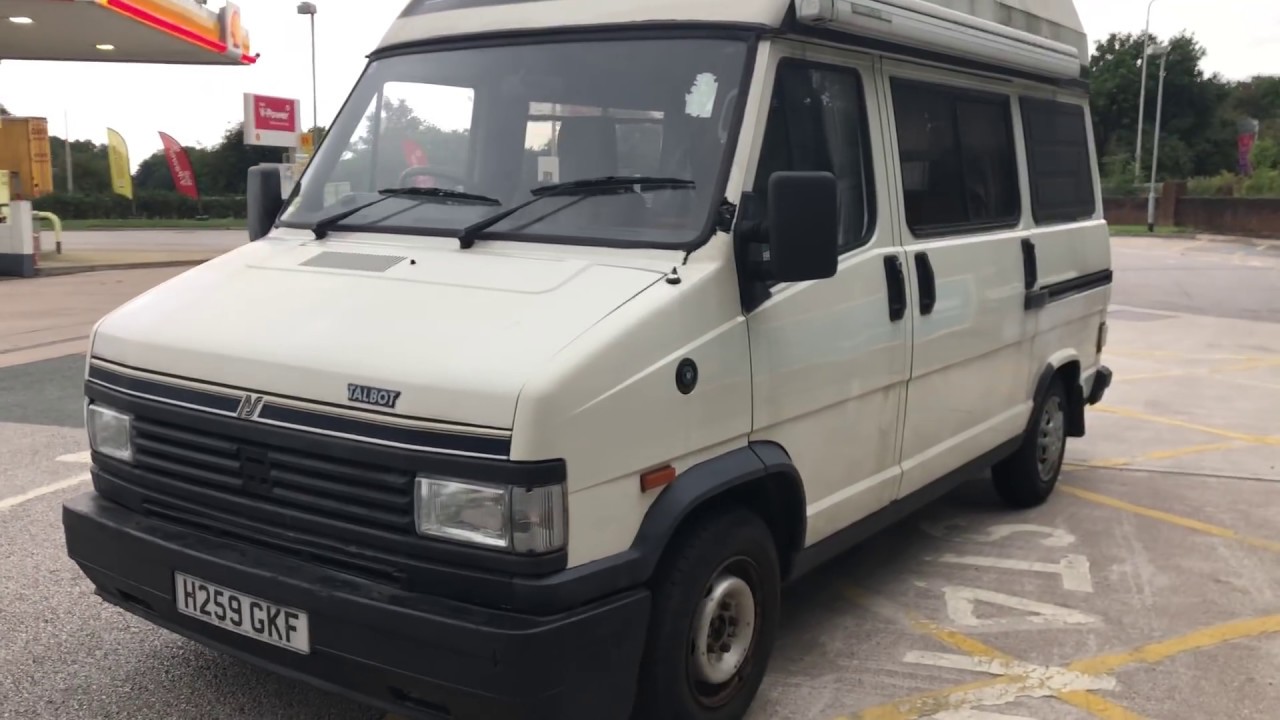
{"x": 197, "y": 104}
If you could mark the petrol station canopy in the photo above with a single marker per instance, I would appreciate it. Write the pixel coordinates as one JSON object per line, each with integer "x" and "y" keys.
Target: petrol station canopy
{"x": 132, "y": 31}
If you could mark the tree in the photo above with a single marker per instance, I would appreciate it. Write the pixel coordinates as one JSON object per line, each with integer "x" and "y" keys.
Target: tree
{"x": 1258, "y": 97}
{"x": 224, "y": 168}
{"x": 4, "y": 112}
{"x": 1197, "y": 135}
{"x": 90, "y": 165}
{"x": 153, "y": 174}
{"x": 395, "y": 131}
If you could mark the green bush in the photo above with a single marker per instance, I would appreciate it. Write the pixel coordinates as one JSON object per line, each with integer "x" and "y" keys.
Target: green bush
{"x": 149, "y": 205}
{"x": 1264, "y": 183}
{"x": 1117, "y": 177}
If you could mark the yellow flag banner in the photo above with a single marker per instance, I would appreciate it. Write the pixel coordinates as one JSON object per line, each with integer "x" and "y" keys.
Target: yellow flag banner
{"x": 118, "y": 155}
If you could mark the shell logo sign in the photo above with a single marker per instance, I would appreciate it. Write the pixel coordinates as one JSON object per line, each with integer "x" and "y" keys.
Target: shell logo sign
{"x": 233, "y": 32}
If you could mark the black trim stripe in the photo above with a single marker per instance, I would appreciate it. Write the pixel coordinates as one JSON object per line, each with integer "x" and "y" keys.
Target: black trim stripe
{"x": 277, "y": 413}
{"x": 1056, "y": 292}
{"x": 225, "y": 403}
{"x": 396, "y": 434}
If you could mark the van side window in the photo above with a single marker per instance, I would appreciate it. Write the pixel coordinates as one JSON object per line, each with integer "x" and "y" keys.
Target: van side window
{"x": 1058, "y": 161}
{"x": 818, "y": 123}
{"x": 959, "y": 167}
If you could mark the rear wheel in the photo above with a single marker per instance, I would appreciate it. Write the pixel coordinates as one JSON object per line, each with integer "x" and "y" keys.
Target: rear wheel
{"x": 715, "y": 613}
{"x": 1027, "y": 477}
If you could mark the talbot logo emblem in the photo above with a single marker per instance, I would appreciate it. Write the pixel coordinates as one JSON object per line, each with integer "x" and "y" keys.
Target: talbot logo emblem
{"x": 378, "y": 397}
{"x": 250, "y": 406}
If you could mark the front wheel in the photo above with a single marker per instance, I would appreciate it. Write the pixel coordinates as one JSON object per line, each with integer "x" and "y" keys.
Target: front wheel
{"x": 715, "y": 614}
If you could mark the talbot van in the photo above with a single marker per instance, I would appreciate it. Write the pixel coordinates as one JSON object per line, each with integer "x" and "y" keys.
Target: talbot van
{"x": 589, "y": 326}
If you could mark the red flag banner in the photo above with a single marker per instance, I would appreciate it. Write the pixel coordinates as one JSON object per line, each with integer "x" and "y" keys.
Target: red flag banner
{"x": 184, "y": 176}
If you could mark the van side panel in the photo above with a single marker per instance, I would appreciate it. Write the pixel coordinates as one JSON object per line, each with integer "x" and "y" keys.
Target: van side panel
{"x": 1068, "y": 325}
{"x": 964, "y": 218}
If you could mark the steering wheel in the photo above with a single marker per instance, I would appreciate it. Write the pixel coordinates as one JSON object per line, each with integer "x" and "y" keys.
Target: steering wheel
{"x": 418, "y": 171}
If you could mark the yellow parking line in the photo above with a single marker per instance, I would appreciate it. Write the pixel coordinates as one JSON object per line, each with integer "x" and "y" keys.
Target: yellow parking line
{"x": 932, "y": 703}
{"x": 1173, "y": 422}
{"x": 1086, "y": 701}
{"x": 1197, "y": 640}
{"x": 1111, "y": 463}
{"x": 1185, "y": 522}
{"x": 927, "y": 704}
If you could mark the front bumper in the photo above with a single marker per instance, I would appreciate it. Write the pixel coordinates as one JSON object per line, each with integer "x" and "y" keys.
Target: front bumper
{"x": 411, "y": 654}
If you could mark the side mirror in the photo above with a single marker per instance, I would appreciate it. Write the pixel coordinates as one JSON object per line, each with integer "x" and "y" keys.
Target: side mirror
{"x": 263, "y": 200}
{"x": 803, "y": 226}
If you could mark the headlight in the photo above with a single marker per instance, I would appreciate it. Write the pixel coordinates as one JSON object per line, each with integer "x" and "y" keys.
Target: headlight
{"x": 525, "y": 520}
{"x": 110, "y": 432}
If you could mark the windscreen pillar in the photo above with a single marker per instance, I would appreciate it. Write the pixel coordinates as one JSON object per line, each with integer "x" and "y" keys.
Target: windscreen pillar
{"x": 17, "y": 242}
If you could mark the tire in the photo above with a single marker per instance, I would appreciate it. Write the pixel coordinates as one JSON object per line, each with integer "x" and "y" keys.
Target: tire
{"x": 1027, "y": 478}
{"x": 720, "y": 556}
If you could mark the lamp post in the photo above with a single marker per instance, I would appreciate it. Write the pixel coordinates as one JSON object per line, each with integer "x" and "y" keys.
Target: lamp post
{"x": 309, "y": 8}
{"x": 1163, "y": 52}
{"x": 1142, "y": 94}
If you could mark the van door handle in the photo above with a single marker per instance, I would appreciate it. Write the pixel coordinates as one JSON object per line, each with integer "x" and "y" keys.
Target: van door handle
{"x": 928, "y": 285}
{"x": 897, "y": 283}
{"x": 1030, "y": 266}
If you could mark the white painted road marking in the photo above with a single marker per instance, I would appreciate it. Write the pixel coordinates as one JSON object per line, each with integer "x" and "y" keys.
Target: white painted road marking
{"x": 962, "y": 600}
{"x": 955, "y": 530}
{"x": 1074, "y": 569}
{"x": 80, "y": 458}
{"x": 1032, "y": 681}
{"x": 15, "y": 501}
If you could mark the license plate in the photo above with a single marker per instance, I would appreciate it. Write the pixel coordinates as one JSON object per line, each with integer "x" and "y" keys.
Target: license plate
{"x": 261, "y": 620}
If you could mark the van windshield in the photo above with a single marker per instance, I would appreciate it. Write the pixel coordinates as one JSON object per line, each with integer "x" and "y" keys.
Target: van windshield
{"x": 503, "y": 124}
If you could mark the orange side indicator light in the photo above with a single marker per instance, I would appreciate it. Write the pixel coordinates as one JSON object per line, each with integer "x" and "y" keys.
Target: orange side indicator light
{"x": 655, "y": 479}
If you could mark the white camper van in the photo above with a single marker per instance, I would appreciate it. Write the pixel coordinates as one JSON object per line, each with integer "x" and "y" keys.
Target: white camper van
{"x": 589, "y": 326}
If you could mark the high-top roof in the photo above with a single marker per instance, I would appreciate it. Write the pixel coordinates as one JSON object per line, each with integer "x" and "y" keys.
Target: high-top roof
{"x": 1055, "y": 20}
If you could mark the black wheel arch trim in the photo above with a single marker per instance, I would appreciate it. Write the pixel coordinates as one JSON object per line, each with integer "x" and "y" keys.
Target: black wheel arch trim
{"x": 1075, "y": 397}
{"x": 705, "y": 482}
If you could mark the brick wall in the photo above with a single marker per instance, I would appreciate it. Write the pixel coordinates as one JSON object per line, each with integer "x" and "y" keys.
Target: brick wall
{"x": 1126, "y": 210}
{"x": 1257, "y": 217}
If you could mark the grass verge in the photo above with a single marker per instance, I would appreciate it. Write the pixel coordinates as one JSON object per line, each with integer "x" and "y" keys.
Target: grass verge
{"x": 149, "y": 224}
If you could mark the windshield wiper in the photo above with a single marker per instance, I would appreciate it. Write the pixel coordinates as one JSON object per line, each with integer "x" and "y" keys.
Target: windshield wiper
{"x": 467, "y": 238}
{"x": 324, "y": 225}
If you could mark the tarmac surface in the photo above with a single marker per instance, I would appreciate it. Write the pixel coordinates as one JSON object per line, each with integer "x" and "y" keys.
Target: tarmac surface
{"x": 1147, "y": 587}
{"x": 97, "y": 250}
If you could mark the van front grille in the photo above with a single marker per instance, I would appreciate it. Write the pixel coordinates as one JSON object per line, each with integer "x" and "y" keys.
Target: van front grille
{"x": 332, "y": 488}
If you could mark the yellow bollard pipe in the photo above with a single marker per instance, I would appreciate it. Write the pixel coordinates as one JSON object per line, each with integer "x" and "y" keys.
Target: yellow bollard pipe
{"x": 57, "y": 227}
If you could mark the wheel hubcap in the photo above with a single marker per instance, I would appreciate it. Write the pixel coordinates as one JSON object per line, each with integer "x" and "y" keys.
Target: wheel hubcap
{"x": 724, "y": 629}
{"x": 1051, "y": 439}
